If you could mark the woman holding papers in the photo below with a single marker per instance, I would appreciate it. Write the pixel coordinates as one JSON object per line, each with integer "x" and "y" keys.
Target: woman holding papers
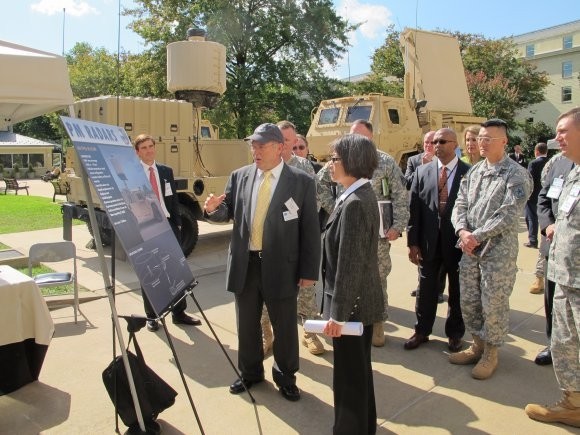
{"x": 352, "y": 287}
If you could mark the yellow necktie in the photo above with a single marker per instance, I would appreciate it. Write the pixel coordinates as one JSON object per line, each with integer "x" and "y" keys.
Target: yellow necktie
{"x": 262, "y": 204}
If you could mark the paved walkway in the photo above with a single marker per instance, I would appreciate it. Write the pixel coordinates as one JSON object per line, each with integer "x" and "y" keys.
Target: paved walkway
{"x": 417, "y": 391}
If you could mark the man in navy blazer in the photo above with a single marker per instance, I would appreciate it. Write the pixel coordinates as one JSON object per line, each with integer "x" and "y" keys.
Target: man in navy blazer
{"x": 431, "y": 239}
{"x": 288, "y": 258}
{"x": 145, "y": 148}
{"x": 531, "y": 211}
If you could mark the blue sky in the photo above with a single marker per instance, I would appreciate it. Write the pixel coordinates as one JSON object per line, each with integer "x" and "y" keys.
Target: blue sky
{"x": 39, "y": 23}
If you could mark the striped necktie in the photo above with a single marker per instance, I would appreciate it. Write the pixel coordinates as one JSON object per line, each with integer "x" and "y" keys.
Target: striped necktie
{"x": 443, "y": 194}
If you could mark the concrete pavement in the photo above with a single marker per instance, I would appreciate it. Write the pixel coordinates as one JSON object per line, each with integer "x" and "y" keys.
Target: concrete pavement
{"x": 417, "y": 391}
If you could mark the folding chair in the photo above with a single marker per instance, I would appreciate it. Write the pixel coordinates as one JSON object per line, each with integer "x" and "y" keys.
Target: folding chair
{"x": 50, "y": 253}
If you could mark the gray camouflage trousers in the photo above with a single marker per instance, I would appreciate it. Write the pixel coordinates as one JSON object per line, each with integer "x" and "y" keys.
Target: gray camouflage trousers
{"x": 486, "y": 286}
{"x": 565, "y": 342}
{"x": 385, "y": 266}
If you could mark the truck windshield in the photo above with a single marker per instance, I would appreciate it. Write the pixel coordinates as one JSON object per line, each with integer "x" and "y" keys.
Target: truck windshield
{"x": 328, "y": 116}
{"x": 358, "y": 112}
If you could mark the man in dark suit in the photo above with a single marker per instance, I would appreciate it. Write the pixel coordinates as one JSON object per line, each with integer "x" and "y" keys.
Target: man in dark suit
{"x": 531, "y": 211}
{"x": 431, "y": 239}
{"x": 548, "y": 200}
{"x": 412, "y": 164}
{"x": 163, "y": 184}
{"x": 518, "y": 156}
{"x": 274, "y": 250}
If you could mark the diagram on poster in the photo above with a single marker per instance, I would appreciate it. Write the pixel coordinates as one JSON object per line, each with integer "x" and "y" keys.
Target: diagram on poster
{"x": 133, "y": 209}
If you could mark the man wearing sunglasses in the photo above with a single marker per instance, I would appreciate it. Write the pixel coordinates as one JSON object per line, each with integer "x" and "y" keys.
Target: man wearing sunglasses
{"x": 432, "y": 239}
{"x": 490, "y": 202}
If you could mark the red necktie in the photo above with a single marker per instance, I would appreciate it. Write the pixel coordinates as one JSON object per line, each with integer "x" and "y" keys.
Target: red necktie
{"x": 153, "y": 182}
{"x": 443, "y": 194}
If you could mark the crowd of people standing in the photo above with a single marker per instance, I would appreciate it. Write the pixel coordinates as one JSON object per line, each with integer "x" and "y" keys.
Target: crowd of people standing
{"x": 297, "y": 221}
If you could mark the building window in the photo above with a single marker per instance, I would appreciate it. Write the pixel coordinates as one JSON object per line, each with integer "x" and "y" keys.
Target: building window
{"x": 530, "y": 50}
{"x": 567, "y": 69}
{"x": 567, "y": 42}
{"x": 566, "y": 94}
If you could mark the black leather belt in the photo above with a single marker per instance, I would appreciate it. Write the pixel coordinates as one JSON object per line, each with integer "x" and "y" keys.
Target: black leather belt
{"x": 256, "y": 254}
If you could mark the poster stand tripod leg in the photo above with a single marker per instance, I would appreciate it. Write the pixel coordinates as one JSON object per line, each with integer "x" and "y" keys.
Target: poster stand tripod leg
{"x": 111, "y": 296}
{"x": 189, "y": 291}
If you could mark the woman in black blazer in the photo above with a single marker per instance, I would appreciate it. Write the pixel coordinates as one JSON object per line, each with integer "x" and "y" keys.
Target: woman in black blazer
{"x": 352, "y": 287}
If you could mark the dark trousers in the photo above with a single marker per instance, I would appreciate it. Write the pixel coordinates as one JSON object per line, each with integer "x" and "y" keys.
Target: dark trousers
{"x": 549, "y": 290}
{"x": 283, "y": 317}
{"x": 531, "y": 215}
{"x": 354, "y": 393}
{"x": 440, "y": 282}
{"x": 180, "y": 307}
{"x": 426, "y": 302}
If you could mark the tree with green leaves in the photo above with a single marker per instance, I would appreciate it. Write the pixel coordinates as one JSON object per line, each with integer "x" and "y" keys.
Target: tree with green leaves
{"x": 275, "y": 52}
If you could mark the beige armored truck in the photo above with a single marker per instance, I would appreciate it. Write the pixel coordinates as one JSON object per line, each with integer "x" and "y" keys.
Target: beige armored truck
{"x": 186, "y": 142}
{"x": 436, "y": 96}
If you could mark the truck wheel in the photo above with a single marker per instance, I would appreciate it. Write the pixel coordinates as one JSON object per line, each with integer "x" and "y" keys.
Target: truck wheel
{"x": 106, "y": 235}
{"x": 189, "y": 230}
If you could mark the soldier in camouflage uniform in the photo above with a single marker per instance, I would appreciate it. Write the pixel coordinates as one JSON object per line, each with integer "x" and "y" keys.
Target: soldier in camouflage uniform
{"x": 564, "y": 270}
{"x": 387, "y": 184}
{"x": 306, "y": 295}
{"x": 490, "y": 202}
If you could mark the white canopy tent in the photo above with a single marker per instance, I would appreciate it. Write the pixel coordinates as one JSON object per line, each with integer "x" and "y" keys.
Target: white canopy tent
{"x": 32, "y": 82}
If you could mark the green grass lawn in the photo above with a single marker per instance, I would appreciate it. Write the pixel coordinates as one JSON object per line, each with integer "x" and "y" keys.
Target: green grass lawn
{"x": 29, "y": 213}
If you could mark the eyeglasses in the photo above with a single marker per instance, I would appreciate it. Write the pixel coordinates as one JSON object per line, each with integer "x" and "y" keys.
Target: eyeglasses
{"x": 335, "y": 159}
{"x": 442, "y": 141}
{"x": 299, "y": 147}
{"x": 486, "y": 140}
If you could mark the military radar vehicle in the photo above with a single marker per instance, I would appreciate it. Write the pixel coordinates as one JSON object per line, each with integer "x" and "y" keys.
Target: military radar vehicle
{"x": 434, "y": 97}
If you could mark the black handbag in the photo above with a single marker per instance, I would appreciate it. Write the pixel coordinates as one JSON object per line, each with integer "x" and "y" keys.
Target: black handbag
{"x": 154, "y": 394}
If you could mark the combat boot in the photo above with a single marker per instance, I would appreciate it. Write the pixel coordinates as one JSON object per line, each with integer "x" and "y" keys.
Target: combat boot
{"x": 471, "y": 355}
{"x": 378, "y": 334}
{"x": 566, "y": 411}
{"x": 537, "y": 286}
{"x": 267, "y": 336}
{"x": 312, "y": 343}
{"x": 487, "y": 364}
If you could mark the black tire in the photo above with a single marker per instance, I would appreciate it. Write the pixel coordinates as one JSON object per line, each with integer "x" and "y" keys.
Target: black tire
{"x": 106, "y": 235}
{"x": 189, "y": 230}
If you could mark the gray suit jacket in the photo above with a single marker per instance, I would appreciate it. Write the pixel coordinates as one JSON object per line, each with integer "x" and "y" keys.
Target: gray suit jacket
{"x": 413, "y": 163}
{"x": 291, "y": 249}
{"x": 352, "y": 285}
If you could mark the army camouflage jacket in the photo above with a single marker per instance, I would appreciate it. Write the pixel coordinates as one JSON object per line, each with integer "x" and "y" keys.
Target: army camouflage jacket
{"x": 397, "y": 193}
{"x": 564, "y": 258}
{"x": 491, "y": 199}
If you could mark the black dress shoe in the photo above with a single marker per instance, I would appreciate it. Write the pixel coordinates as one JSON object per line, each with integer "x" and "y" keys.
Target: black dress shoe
{"x": 531, "y": 245}
{"x": 152, "y": 325}
{"x": 415, "y": 341}
{"x": 544, "y": 358}
{"x": 184, "y": 319}
{"x": 238, "y": 387}
{"x": 290, "y": 392}
{"x": 455, "y": 344}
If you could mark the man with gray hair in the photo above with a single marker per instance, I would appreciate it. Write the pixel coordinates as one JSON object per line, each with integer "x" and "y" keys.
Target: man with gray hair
{"x": 564, "y": 270}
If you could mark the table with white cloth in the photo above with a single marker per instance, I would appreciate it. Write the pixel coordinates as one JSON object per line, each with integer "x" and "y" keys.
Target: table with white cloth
{"x": 26, "y": 329}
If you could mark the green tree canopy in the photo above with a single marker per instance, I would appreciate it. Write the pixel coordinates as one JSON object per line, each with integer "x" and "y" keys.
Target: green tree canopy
{"x": 273, "y": 49}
